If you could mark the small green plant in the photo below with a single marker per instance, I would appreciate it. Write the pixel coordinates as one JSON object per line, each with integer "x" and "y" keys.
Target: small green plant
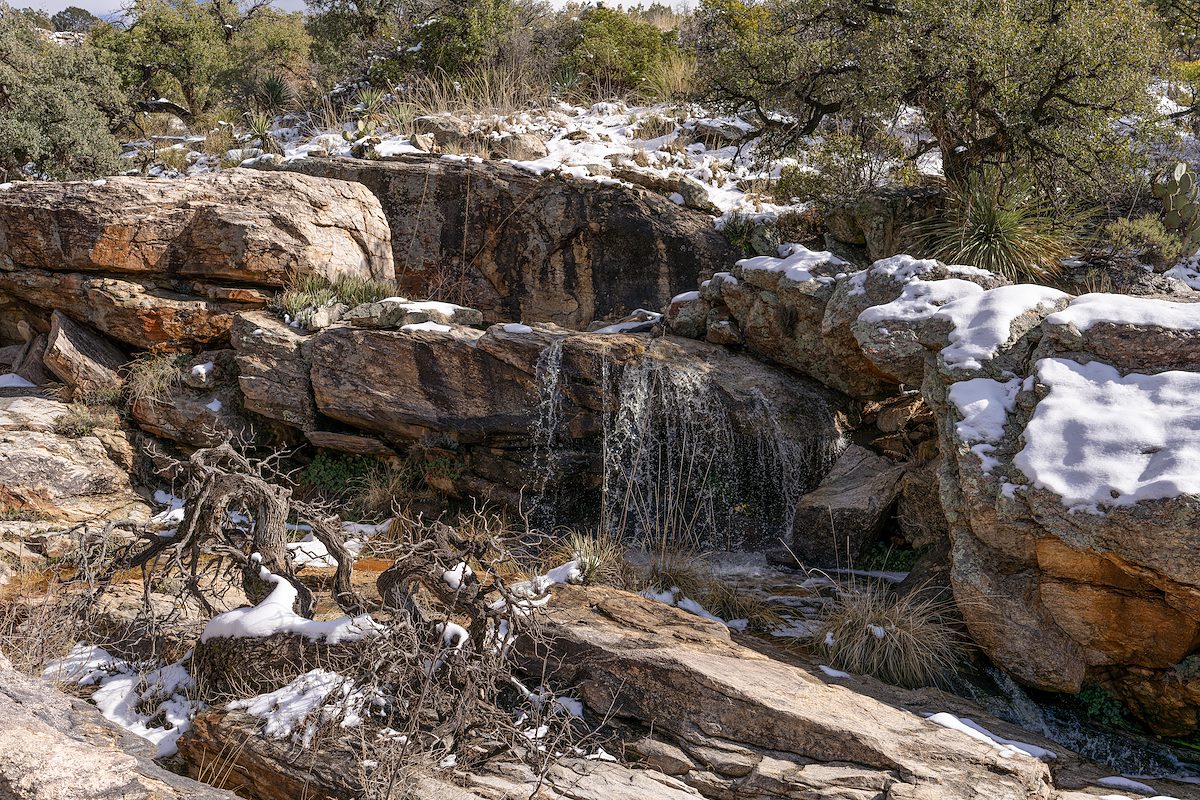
{"x": 1004, "y": 226}
{"x": 372, "y": 103}
{"x": 354, "y": 290}
{"x": 82, "y": 420}
{"x": 273, "y": 93}
{"x": 259, "y": 126}
{"x": 1100, "y": 706}
{"x": 1180, "y": 197}
{"x": 739, "y": 231}
{"x": 154, "y": 377}
{"x": 338, "y": 475}
{"x": 1145, "y": 238}
{"x": 910, "y": 641}
{"x": 10, "y": 513}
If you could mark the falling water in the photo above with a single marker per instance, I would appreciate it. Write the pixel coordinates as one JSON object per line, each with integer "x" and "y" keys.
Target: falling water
{"x": 546, "y": 454}
{"x": 684, "y": 463}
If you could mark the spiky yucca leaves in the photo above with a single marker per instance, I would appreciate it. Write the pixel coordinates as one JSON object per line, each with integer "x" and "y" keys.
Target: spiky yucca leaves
{"x": 273, "y": 94}
{"x": 259, "y": 124}
{"x": 1002, "y": 225}
{"x": 908, "y": 641}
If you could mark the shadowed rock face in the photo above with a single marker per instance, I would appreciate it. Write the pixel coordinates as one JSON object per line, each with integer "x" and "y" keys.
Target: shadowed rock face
{"x": 522, "y": 247}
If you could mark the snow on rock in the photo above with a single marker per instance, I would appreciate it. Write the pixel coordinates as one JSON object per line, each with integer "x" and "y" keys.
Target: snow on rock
{"x": 1188, "y": 273}
{"x": 129, "y": 699}
{"x": 901, "y": 269}
{"x": 796, "y": 265}
{"x": 12, "y": 380}
{"x": 833, "y": 673}
{"x": 1121, "y": 782}
{"x": 1007, "y": 747}
{"x": 982, "y": 323}
{"x": 1120, "y": 309}
{"x": 920, "y": 300}
{"x": 1138, "y": 440}
{"x": 275, "y": 615}
{"x": 984, "y": 405}
{"x": 686, "y": 297}
{"x": 434, "y": 327}
{"x": 516, "y": 327}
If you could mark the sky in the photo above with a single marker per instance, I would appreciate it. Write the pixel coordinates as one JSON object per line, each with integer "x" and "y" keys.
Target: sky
{"x": 106, "y": 8}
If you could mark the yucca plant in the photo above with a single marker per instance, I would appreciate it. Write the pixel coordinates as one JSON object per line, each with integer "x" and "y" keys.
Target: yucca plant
{"x": 258, "y": 124}
{"x": 372, "y": 103}
{"x": 273, "y": 94}
{"x": 1004, "y": 226}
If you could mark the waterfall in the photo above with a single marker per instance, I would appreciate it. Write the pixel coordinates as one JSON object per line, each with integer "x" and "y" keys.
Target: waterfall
{"x": 547, "y": 375}
{"x": 687, "y": 465}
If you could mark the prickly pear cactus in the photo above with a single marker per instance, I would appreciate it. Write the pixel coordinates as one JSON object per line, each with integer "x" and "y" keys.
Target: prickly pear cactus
{"x": 1180, "y": 196}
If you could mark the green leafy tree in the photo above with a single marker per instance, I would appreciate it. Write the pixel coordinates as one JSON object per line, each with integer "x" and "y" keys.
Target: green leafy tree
{"x": 74, "y": 19}
{"x": 999, "y": 84}
{"x": 198, "y": 55}
{"x": 59, "y": 105}
{"x": 618, "y": 50}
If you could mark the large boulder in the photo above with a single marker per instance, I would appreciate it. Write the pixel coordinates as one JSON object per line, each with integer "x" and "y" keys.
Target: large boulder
{"x": 835, "y": 521}
{"x": 82, "y": 359}
{"x": 854, "y": 331}
{"x": 48, "y": 476}
{"x": 1070, "y": 441}
{"x": 539, "y": 248}
{"x": 733, "y": 722}
{"x": 885, "y": 222}
{"x": 235, "y": 225}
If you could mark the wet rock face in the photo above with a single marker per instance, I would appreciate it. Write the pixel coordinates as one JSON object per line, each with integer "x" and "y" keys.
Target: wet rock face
{"x": 535, "y": 408}
{"x": 1074, "y": 520}
{"x": 522, "y": 247}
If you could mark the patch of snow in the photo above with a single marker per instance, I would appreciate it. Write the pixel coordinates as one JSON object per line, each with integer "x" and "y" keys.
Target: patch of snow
{"x": 1120, "y": 309}
{"x": 515, "y": 327}
{"x": 275, "y": 615}
{"x": 12, "y": 380}
{"x": 796, "y": 266}
{"x": 1138, "y": 438}
{"x": 1188, "y": 273}
{"x": 633, "y": 326}
{"x": 286, "y": 708}
{"x": 214, "y": 406}
{"x": 454, "y": 577}
{"x": 121, "y": 692}
{"x": 202, "y": 371}
{"x": 1007, "y": 747}
{"x": 685, "y": 297}
{"x": 920, "y": 299}
{"x": 1121, "y": 782}
{"x": 434, "y": 327}
{"x": 984, "y": 405}
{"x": 833, "y": 673}
{"x": 982, "y": 323}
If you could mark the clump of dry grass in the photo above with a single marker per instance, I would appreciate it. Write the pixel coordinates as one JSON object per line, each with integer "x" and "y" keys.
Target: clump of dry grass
{"x": 695, "y": 580}
{"x": 599, "y": 557}
{"x": 154, "y": 377}
{"x": 84, "y": 420}
{"x": 907, "y": 641}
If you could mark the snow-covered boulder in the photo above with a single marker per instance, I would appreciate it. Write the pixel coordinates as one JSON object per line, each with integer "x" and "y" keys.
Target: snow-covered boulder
{"x": 1071, "y": 478}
